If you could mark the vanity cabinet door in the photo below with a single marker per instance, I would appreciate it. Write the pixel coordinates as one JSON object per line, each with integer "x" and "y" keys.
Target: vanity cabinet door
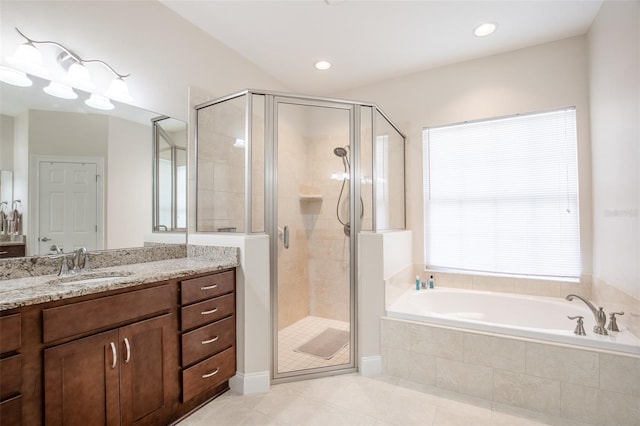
{"x": 81, "y": 380}
{"x": 145, "y": 348}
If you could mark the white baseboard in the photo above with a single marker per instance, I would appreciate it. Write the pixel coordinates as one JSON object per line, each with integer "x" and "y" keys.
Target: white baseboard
{"x": 371, "y": 365}
{"x": 248, "y": 383}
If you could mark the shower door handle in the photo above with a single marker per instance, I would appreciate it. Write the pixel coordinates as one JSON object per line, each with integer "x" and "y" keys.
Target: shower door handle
{"x": 286, "y": 236}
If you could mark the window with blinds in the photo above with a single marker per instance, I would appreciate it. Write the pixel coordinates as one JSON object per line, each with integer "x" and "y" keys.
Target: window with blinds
{"x": 501, "y": 195}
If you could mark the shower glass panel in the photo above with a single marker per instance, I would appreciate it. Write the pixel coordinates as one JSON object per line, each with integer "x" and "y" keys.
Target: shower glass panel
{"x": 258, "y": 109}
{"x": 311, "y": 173}
{"x": 389, "y": 175}
{"x": 314, "y": 295}
{"x": 366, "y": 168}
{"x": 220, "y": 205}
{"x": 170, "y": 175}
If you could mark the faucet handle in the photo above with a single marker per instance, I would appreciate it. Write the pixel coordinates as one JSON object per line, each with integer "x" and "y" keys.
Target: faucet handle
{"x": 613, "y": 324}
{"x": 64, "y": 267}
{"x": 579, "y": 326}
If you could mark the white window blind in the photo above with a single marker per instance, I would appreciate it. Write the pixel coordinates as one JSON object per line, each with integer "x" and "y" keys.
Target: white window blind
{"x": 501, "y": 195}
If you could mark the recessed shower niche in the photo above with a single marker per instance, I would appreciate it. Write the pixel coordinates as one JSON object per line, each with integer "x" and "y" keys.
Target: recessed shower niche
{"x": 311, "y": 173}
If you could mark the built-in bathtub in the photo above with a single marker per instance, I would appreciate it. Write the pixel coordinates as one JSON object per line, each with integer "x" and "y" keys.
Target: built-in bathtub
{"x": 543, "y": 318}
{"x": 515, "y": 350}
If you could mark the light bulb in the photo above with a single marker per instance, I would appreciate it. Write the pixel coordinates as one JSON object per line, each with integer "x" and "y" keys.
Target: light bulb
{"x": 60, "y": 90}
{"x": 485, "y": 29}
{"x": 28, "y": 59}
{"x": 119, "y": 91}
{"x": 323, "y": 65}
{"x": 14, "y": 77}
{"x": 78, "y": 76}
{"x": 99, "y": 102}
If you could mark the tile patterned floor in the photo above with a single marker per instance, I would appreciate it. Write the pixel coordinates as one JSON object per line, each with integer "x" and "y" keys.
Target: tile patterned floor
{"x": 356, "y": 400}
{"x": 300, "y": 332}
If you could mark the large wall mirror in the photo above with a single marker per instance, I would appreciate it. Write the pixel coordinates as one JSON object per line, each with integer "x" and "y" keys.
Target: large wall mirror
{"x": 86, "y": 176}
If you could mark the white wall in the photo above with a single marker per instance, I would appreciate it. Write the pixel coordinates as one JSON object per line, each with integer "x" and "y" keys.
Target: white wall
{"x": 128, "y": 206}
{"x": 614, "y": 65}
{"x": 6, "y": 142}
{"x": 163, "y": 52}
{"x": 538, "y": 78}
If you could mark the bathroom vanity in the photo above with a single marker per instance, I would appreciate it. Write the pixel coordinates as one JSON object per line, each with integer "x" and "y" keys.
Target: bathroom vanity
{"x": 143, "y": 343}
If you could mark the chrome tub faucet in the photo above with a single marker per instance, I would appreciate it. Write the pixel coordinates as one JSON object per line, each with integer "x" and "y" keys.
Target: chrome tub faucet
{"x": 599, "y": 315}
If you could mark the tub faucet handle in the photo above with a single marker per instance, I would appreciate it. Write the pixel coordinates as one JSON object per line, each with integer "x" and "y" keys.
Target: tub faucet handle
{"x": 613, "y": 324}
{"x": 579, "y": 326}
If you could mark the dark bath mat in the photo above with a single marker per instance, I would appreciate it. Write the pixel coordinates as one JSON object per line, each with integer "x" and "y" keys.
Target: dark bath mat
{"x": 326, "y": 344}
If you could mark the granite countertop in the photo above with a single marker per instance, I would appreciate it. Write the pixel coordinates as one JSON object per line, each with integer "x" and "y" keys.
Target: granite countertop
{"x": 18, "y": 292}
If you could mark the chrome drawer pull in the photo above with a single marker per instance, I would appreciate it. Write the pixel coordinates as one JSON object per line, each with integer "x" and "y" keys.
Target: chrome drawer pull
{"x": 209, "y": 287}
{"x": 128, "y": 358}
{"x": 206, "y": 342}
{"x": 206, "y": 376}
{"x": 3, "y": 252}
{"x": 213, "y": 311}
{"x": 115, "y": 355}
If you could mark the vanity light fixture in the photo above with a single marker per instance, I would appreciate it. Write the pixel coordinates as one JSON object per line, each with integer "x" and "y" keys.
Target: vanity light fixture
{"x": 322, "y": 65}
{"x": 60, "y": 90}
{"x": 14, "y": 77}
{"x": 99, "y": 102}
{"x": 29, "y": 59}
{"x": 485, "y": 29}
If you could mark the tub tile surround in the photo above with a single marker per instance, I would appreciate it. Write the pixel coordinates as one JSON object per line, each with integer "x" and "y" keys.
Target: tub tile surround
{"x": 595, "y": 387}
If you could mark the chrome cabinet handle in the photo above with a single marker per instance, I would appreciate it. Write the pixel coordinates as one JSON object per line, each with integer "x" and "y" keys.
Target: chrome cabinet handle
{"x": 206, "y": 342}
{"x": 4, "y": 252}
{"x": 212, "y": 311}
{"x": 286, "y": 236}
{"x": 206, "y": 376}
{"x": 128, "y": 358}
{"x": 209, "y": 287}
{"x": 115, "y": 355}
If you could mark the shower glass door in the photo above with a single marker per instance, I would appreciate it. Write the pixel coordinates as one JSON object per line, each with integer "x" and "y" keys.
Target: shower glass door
{"x": 312, "y": 242}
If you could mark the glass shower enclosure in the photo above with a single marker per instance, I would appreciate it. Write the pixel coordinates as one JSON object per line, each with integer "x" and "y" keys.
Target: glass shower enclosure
{"x": 311, "y": 173}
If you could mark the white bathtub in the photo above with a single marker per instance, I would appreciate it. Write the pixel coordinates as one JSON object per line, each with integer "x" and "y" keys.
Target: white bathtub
{"x": 542, "y": 318}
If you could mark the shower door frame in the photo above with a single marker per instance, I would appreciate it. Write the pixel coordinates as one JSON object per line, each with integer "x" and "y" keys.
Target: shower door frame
{"x": 271, "y": 226}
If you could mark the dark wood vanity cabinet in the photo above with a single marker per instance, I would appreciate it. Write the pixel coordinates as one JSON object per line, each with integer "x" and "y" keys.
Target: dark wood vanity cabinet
{"x": 113, "y": 377}
{"x": 146, "y": 355}
{"x": 10, "y": 370}
{"x": 12, "y": 250}
{"x": 208, "y": 326}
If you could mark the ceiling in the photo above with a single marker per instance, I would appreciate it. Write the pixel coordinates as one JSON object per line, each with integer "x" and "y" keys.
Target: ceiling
{"x": 371, "y": 41}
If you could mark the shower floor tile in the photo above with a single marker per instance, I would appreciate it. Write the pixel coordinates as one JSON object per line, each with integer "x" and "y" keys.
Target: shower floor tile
{"x": 300, "y": 332}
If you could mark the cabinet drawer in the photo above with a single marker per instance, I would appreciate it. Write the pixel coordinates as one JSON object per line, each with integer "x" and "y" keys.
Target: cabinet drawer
{"x": 82, "y": 317}
{"x": 209, "y": 373}
{"x": 11, "y": 411}
{"x": 208, "y": 311}
{"x": 205, "y": 341}
{"x": 10, "y": 333}
{"x": 12, "y": 251}
{"x": 206, "y": 287}
{"x": 10, "y": 376}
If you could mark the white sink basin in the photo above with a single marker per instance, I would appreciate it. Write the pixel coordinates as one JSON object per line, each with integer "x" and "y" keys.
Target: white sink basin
{"x": 90, "y": 277}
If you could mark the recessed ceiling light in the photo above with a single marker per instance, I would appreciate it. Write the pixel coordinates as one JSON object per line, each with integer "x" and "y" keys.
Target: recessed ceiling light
{"x": 485, "y": 29}
{"x": 323, "y": 65}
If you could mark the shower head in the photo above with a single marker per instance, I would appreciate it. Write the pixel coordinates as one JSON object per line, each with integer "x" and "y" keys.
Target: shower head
{"x": 341, "y": 151}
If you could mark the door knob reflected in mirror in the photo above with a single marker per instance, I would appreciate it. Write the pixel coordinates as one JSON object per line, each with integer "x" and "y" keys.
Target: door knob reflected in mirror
{"x": 45, "y": 239}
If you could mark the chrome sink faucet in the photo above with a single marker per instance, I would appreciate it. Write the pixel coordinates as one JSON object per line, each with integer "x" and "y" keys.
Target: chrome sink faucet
{"x": 599, "y": 315}
{"x": 81, "y": 252}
